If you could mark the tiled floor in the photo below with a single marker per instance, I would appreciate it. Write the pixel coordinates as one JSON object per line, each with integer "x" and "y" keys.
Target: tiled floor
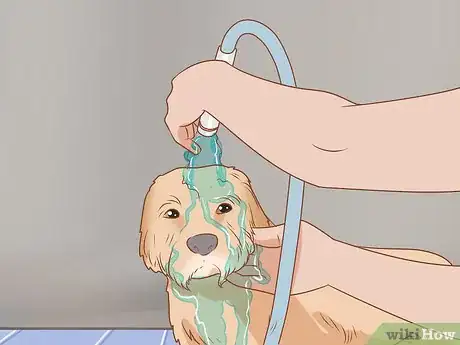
{"x": 86, "y": 337}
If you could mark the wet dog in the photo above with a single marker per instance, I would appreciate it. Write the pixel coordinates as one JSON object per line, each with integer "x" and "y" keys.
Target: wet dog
{"x": 197, "y": 246}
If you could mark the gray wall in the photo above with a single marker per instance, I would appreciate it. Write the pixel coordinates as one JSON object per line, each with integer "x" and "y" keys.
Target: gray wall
{"x": 82, "y": 98}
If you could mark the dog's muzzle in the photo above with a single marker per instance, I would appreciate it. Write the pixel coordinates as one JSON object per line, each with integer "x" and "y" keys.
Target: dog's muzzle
{"x": 202, "y": 244}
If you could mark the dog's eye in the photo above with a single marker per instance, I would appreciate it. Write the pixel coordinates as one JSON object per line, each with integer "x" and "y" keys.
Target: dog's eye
{"x": 172, "y": 214}
{"x": 224, "y": 208}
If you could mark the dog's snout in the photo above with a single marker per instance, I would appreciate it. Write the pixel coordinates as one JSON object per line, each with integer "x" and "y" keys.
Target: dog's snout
{"x": 202, "y": 244}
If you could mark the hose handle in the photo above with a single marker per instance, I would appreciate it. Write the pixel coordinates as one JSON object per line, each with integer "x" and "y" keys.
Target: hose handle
{"x": 208, "y": 124}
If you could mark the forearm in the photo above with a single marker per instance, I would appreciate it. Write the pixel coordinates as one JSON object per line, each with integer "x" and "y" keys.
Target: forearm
{"x": 405, "y": 145}
{"x": 414, "y": 291}
{"x": 279, "y": 122}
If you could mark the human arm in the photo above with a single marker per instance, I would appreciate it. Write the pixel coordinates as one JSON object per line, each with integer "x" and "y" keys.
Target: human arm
{"x": 403, "y": 145}
{"x": 415, "y": 291}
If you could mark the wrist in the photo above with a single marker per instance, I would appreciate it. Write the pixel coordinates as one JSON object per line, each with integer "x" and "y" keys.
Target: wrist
{"x": 218, "y": 88}
{"x": 340, "y": 263}
{"x": 320, "y": 259}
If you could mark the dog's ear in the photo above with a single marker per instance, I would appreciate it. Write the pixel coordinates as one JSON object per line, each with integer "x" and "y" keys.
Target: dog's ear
{"x": 145, "y": 247}
{"x": 257, "y": 216}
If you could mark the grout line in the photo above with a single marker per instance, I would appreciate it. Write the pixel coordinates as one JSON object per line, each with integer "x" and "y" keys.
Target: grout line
{"x": 9, "y": 336}
{"x": 103, "y": 338}
{"x": 163, "y": 338}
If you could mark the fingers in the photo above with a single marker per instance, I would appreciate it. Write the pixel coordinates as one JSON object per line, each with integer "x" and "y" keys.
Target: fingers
{"x": 195, "y": 126}
{"x": 190, "y": 145}
{"x": 182, "y": 134}
{"x": 269, "y": 237}
{"x": 188, "y": 99}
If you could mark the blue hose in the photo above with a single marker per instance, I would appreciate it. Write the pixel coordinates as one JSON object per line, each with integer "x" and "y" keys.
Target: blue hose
{"x": 296, "y": 186}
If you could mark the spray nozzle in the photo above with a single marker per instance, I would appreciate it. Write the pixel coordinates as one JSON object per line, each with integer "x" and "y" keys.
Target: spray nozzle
{"x": 208, "y": 125}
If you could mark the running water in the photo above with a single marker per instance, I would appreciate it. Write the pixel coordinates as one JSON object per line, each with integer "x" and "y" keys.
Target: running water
{"x": 207, "y": 181}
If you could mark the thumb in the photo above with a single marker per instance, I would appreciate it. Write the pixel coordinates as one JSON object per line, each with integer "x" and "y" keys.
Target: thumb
{"x": 269, "y": 237}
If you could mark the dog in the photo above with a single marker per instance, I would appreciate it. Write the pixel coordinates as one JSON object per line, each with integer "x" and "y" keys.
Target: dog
{"x": 194, "y": 254}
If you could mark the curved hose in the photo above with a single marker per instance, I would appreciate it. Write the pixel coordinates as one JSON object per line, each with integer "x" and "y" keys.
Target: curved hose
{"x": 296, "y": 186}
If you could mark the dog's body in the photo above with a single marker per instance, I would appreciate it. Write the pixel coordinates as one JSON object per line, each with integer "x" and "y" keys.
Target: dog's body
{"x": 322, "y": 316}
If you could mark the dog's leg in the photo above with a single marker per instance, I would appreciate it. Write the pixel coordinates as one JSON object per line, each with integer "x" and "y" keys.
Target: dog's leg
{"x": 186, "y": 335}
{"x": 181, "y": 317}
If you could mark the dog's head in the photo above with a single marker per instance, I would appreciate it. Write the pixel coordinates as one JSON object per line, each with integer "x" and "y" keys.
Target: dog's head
{"x": 201, "y": 230}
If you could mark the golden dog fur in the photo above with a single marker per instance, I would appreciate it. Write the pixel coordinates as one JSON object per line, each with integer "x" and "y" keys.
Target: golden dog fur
{"x": 323, "y": 316}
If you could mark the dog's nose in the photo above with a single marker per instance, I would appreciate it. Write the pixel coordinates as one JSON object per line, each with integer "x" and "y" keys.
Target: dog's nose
{"x": 202, "y": 244}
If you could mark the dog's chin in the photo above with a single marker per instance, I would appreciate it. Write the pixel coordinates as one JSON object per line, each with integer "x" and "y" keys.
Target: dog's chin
{"x": 193, "y": 268}
{"x": 200, "y": 269}
{"x": 218, "y": 270}
{"x": 184, "y": 278}
{"x": 205, "y": 271}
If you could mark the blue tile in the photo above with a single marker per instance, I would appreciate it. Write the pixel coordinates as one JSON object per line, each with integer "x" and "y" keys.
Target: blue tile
{"x": 170, "y": 339}
{"x": 4, "y": 332}
{"x": 137, "y": 337}
{"x": 7, "y": 335}
{"x": 87, "y": 337}
{"x": 56, "y": 337}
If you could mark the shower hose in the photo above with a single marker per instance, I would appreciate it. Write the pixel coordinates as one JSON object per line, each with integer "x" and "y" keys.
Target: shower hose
{"x": 226, "y": 52}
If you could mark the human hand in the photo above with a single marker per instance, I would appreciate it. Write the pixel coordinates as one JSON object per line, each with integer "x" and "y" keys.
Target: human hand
{"x": 314, "y": 265}
{"x": 194, "y": 91}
